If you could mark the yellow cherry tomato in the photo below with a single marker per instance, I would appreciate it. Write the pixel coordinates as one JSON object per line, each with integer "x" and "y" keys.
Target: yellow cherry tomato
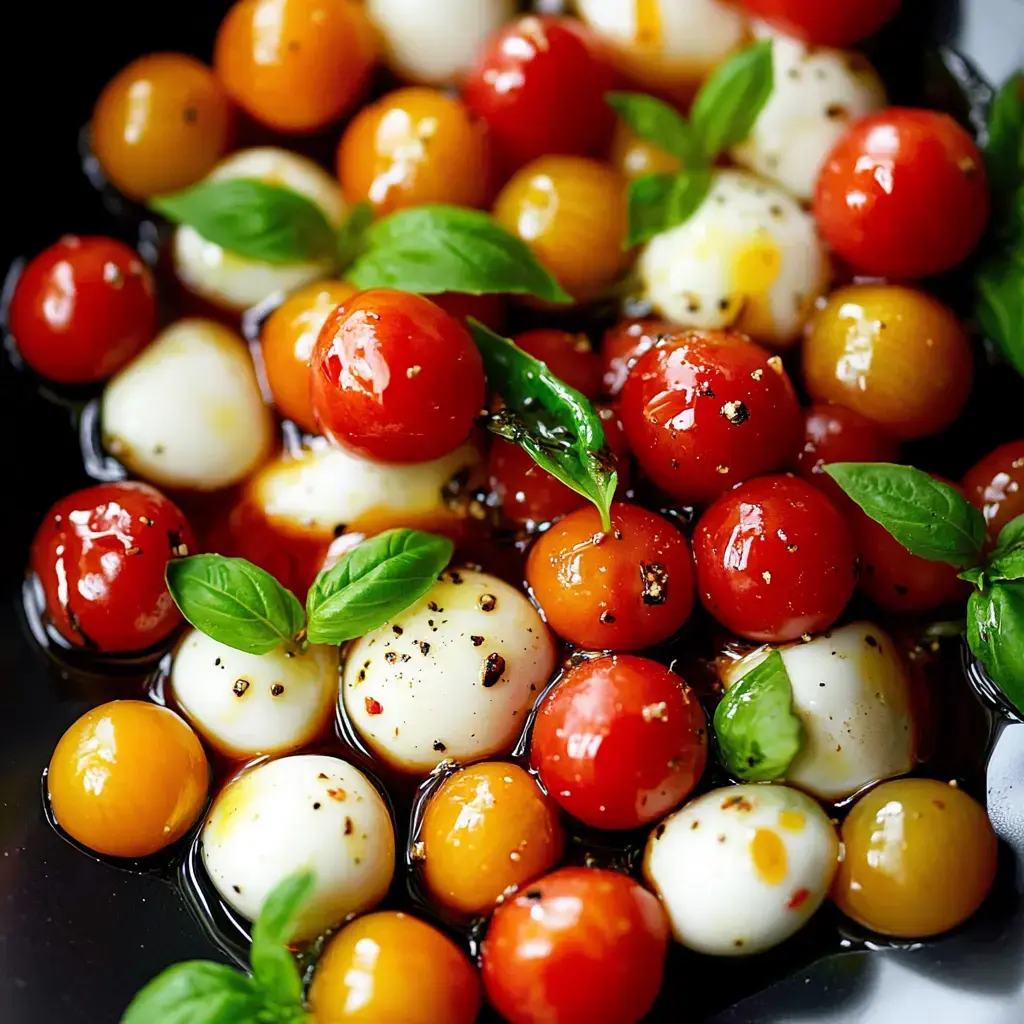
{"x": 160, "y": 125}
{"x": 128, "y": 778}
{"x": 634, "y": 157}
{"x": 415, "y": 146}
{"x": 572, "y": 212}
{"x": 390, "y": 968}
{"x": 920, "y": 857}
{"x": 486, "y": 828}
{"x": 894, "y": 354}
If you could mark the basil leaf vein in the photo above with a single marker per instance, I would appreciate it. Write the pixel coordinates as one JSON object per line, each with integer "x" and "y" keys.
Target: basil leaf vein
{"x": 995, "y": 633}
{"x": 196, "y": 992}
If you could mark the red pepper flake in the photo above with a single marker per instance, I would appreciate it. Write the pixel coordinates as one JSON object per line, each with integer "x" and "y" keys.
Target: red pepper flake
{"x": 798, "y": 899}
{"x": 373, "y": 707}
{"x": 477, "y": 641}
{"x": 322, "y": 776}
{"x": 337, "y": 794}
{"x": 741, "y": 803}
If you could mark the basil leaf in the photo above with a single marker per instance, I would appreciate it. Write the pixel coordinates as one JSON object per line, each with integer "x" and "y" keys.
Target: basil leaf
{"x": 553, "y": 423}
{"x": 1007, "y": 560}
{"x": 1011, "y": 534}
{"x": 273, "y": 966}
{"x": 928, "y": 517}
{"x": 757, "y": 731}
{"x": 373, "y": 583}
{"x": 653, "y": 120}
{"x": 253, "y": 219}
{"x": 196, "y": 992}
{"x": 659, "y": 202}
{"x": 1004, "y": 152}
{"x": 731, "y": 99}
{"x": 235, "y": 602}
{"x": 995, "y": 633}
{"x": 352, "y": 234}
{"x": 999, "y": 304}
{"x": 976, "y": 576}
{"x": 436, "y": 248}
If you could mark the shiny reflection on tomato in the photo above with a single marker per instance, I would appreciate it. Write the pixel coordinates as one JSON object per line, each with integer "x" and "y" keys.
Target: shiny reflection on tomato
{"x": 635, "y": 157}
{"x": 994, "y": 485}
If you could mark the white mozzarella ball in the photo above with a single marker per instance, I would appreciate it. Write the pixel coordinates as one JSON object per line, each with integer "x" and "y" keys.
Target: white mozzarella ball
{"x": 307, "y": 811}
{"x": 249, "y": 704}
{"x": 743, "y": 868}
{"x": 749, "y": 258}
{"x": 237, "y": 282}
{"x": 433, "y": 43}
{"x": 452, "y": 676}
{"x": 187, "y": 412}
{"x": 322, "y": 487}
{"x": 668, "y": 43}
{"x": 852, "y": 696}
{"x": 817, "y": 93}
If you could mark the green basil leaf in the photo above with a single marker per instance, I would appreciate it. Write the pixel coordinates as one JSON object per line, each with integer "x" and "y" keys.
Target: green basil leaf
{"x": 373, "y": 583}
{"x": 928, "y": 517}
{"x": 976, "y": 576}
{"x": 1004, "y": 152}
{"x": 253, "y": 219}
{"x": 689, "y": 190}
{"x": 995, "y": 633}
{"x": 235, "y": 602}
{"x": 757, "y": 731}
{"x": 196, "y": 992}
{"x": 273, "y": 966}
{"x": 436, "y": 248}
{"x": 1006, "y": 562}
{"x": 1011, "y": 534}
{"x": 653, "y": 120}
{"x": 999, "y": 304}
{"x": 659, "y": 202}
{"x": 556, "y": 426}
{"x": 352, "y": 235}
{"x": 731, "y": 99}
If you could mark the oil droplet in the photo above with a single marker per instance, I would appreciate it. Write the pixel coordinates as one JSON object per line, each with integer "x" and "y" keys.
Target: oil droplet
{"x": 792, "y": 821}
{"x": 769, "y": 855}
{"x": 648, "y": 23}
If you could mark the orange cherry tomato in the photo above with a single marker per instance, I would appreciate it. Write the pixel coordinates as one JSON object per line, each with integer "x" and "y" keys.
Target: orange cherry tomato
{"x": 295, "y": 65}
{"x": 160, "y": 125}
{"x": 634, "y": 157}
{"x": 128, "y": 778}
{"x": 287, "y": 341}
{"x": 415, "y": 146}
{"x": 993, "y": 484}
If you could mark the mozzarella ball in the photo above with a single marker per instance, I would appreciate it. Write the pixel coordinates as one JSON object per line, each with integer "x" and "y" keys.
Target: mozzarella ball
{"x": 322, "y": 487}
{"x": 452, "y": 676}
{"x": 817, "y": 93}
{"x": 304, "y": 811}
{"x": 236, "y": 282}
{"x": 187, "y": 412}
{"x": 749, "y": 258}
{"x": 433, "y": 43}
{"x": 852, "y": 696}
{"x": 743, "y": 868}
{"x": 669, "y": 44}
{"x": 249, "y": 704}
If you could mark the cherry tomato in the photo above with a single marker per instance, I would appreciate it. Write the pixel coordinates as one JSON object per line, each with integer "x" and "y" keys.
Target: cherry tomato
{"x": 295, "y": 65}
{"x": 993, "y": 484}
{"x": 395, "y": 378}
{"x": 895, "y": 355}
{"x": 550, "y": 205}
{"x": 920, "y": 857}
{"x": 623, "y": 345}
{"x": 286, "y": 343}
{"x": 390, "y": 968}
{"x": 882, "y": 184}
{"x": 578, "y": 946}
{"x": 619, "y": 742}
{"x": 82, "y": 309}
{"x": 568, "y": 356}
{"x": 160, "y": 125}
{"x": 540, "y": 85}
{"x": 833, "y": 23}
{"x": 488, "y": 309}
{"x": 775, "y": 560}
{"x": 487, "y": 828}
{"x": 705, "y": 410}
{"x": 624, "y": 590}
{"x": 100, "y": 555}
{"x": 127, "y": 779}
{"x": 415, "y": 146}
{"x": 634, "y": 157}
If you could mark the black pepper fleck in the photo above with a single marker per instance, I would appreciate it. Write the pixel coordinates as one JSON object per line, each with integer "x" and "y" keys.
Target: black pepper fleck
{"x": 477, "y": 640}
{"x": 487, "y": 602}
{"x": 494, "y": 669}
{"x": 276, "y": 690}
{"x": 655, "y": 582}
{"x": 241, "y": 685}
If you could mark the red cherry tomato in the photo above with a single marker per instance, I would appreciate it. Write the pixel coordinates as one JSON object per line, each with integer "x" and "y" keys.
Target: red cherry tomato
{"x": 706, "y": 410}
{"x": 619, "y": 742}
{"x": 395, "y": 378}
{"x": 826, "y": 22}
{"x": 624, "y": 590}
{"x": 623, "y": 345}
{"x": 100, "y": 555}
{"x": 578, "y": 946}
{"x": 568, "y": 356}
{"x": 883, "y": 187}
{"x": 994, "y": 485}
{"x": 540, "y": 85}
{"x": 775, "y": 560}
{"x": 82, "y": 309}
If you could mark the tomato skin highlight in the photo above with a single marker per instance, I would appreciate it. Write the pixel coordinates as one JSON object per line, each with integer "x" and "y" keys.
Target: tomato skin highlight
{"x": 775, "y": 560}
{"x": 826, "y": 22}
{"x": 993, "y": 485}
{"x": 623, "y": 345}
{"x": 619, "y": 742}
{"x": 577, "y": 946}
{"x": 82, "y": 309}
{"x": 881, "y": 186}
{"x": 100, "y": 556}
{"x": 395, "y": 378}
